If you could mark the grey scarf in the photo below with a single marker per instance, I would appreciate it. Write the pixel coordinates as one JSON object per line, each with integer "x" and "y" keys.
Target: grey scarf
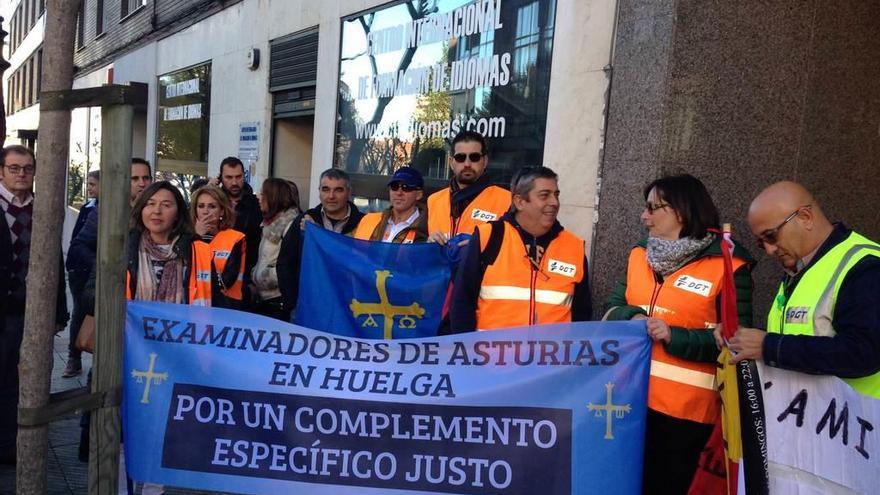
{"x": 666, "y": 257}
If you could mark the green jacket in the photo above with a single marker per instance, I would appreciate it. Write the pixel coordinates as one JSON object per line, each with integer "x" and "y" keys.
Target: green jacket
{"x": 696, "y": 344}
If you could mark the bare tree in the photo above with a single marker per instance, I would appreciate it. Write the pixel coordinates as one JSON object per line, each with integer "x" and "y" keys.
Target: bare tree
{"x": 39, "y": 327}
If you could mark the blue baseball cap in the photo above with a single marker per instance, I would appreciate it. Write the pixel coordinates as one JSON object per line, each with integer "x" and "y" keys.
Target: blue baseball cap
{"x": 408, "y": 176}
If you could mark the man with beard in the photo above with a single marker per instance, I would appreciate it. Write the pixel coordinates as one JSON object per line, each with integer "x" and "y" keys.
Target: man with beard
{"x": 336, "y": 212}
{"x": 247, "y": 214}
{"x": 524, "y": 269}
{"x": 470, "y": 199}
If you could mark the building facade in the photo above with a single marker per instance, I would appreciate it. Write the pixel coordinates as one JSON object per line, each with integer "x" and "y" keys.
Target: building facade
{"x": 609, "y": 93}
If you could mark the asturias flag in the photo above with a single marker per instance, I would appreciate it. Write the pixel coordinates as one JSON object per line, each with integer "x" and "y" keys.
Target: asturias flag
{"x": 370, "y": 289}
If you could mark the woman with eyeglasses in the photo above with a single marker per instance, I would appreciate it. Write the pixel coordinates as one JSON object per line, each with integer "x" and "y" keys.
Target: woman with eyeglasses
{"x": 405, "y": 221}
{"x": 213, "y": 217}
{"x": 673, "y": 281}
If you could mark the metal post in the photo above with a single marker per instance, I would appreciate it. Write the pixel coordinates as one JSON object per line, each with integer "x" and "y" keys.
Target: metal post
{"x": 116, "y": 135}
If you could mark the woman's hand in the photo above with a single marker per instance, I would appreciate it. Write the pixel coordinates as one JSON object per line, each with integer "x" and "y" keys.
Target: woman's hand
{"x": 659, "y": 330}
{"x": 206, "y": 225}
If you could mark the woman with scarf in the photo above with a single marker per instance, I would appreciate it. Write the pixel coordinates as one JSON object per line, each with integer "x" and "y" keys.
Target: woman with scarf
{"x": 165, "y": 259}
{"x": 279, "y": 203}
{"x": 673, "y": 282}
{"x": 213, "y": 217}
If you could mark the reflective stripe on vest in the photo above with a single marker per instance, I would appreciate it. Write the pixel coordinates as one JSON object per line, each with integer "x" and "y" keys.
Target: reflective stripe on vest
{"x": 524, "y": 294}
{"x": 683, "y": 375}
{"x": 810, "y": 308}
{"x": 489, "y": 205}
{"x": 687, "y": 299}
{"x": 514, "y": 294}
{"x": 222, "y": 245}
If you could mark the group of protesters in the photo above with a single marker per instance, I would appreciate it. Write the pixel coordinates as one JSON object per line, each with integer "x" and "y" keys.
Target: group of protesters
{"x": 518, "y": 266}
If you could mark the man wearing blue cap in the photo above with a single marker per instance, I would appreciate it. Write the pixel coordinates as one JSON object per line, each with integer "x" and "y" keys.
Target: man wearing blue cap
{"x": 405, "y": 221}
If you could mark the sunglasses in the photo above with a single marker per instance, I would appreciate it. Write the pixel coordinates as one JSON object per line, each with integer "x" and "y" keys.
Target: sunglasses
{"x": 461, "y": 157}
{"x": 772, "y": 236}
{"x": 394, "y": 186}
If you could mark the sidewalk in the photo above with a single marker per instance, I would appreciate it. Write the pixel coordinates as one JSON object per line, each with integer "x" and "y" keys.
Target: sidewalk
{"x": 67, "y": 475}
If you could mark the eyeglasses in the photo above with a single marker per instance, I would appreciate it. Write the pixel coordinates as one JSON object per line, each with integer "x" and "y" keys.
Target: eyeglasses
{"x": 394, "y": 186}
{"x": 772, "y": 236}
{"x": 652, "y": 207}
{"x": 461, "y": 157}
{"x": 16, "y": 170}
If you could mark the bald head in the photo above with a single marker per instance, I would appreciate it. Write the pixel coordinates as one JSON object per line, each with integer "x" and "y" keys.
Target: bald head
{"x": 789, "y": 221}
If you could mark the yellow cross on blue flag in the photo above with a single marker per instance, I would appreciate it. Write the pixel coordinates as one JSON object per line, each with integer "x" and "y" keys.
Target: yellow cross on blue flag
{"x": 372, "y": 290}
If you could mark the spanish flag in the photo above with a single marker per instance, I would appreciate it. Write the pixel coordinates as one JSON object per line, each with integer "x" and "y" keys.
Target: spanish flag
{"x": 735, "y": 458}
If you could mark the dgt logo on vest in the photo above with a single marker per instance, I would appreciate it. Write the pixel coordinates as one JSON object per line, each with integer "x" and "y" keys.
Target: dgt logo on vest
{"x": 797, "y": 314}
{"x": 562, "y": 268}
{"x": 483, "y": 216}
{"x": 695, "y": 285}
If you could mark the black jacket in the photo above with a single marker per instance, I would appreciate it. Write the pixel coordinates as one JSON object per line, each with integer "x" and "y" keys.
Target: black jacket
{"x": 248, "y": 219}
{"x": 83, "y": 247}
{"x": 7, "y": 305}
{"x": 290, "y": 254}
{"x": 855, "y": 351}
{"x": 469, "y": 278}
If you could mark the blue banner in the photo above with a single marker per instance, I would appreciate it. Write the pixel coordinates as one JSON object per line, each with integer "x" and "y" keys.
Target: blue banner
{"x": 373, "y": 290}
{"x": 216, "y": 399}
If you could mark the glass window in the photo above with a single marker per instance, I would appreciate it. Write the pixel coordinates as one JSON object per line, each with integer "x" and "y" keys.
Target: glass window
{"x": 413, "y": 74}
{"x": 184, "y": 120}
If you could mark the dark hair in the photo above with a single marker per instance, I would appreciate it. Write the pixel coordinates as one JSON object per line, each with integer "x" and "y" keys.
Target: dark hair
{"x": 336, "y": 174}
{"x": 95, "y": 174}
{"x": 278, "y": 196}
{"x": 197, "y": 184}
{"x": 465, "y": 136}
{"x": 181, "y": 225}
{"x": 141, "y": 161}
{"x": 524, "y": 181}
{"x": 231, "y": 161}
{"x": 18, "y": 150}
{"x": 294, "y": 189}
{"x": 688, "y": 197}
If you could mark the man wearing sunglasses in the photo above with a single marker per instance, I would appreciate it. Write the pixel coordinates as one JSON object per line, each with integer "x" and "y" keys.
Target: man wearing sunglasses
{"x": 404, "y": 222}
{"x": 825, "y": 318}
{"x": 470, "y": 199}
{"x": 524, "y": 269}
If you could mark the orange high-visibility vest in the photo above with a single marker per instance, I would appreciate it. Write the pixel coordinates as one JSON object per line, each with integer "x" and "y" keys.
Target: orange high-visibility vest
{"x": 198, "y": 285}
{"x": 370, "y": 222}
{"x": 489, "y": 205}
{"x": 686, "y": 298}
{"x": 221, "y": 246}
{"x": 514, "y": 293}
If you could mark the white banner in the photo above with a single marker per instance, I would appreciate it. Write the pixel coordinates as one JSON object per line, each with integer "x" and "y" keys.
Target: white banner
{"x": 822, "y": 436}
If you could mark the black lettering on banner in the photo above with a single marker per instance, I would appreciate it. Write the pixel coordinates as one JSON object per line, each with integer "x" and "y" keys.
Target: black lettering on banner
{"x": 797, "y": 407}
{"x": 386, "y": 445}
{"x": 865, "y": 426}
{"x": 834, "y": 427}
